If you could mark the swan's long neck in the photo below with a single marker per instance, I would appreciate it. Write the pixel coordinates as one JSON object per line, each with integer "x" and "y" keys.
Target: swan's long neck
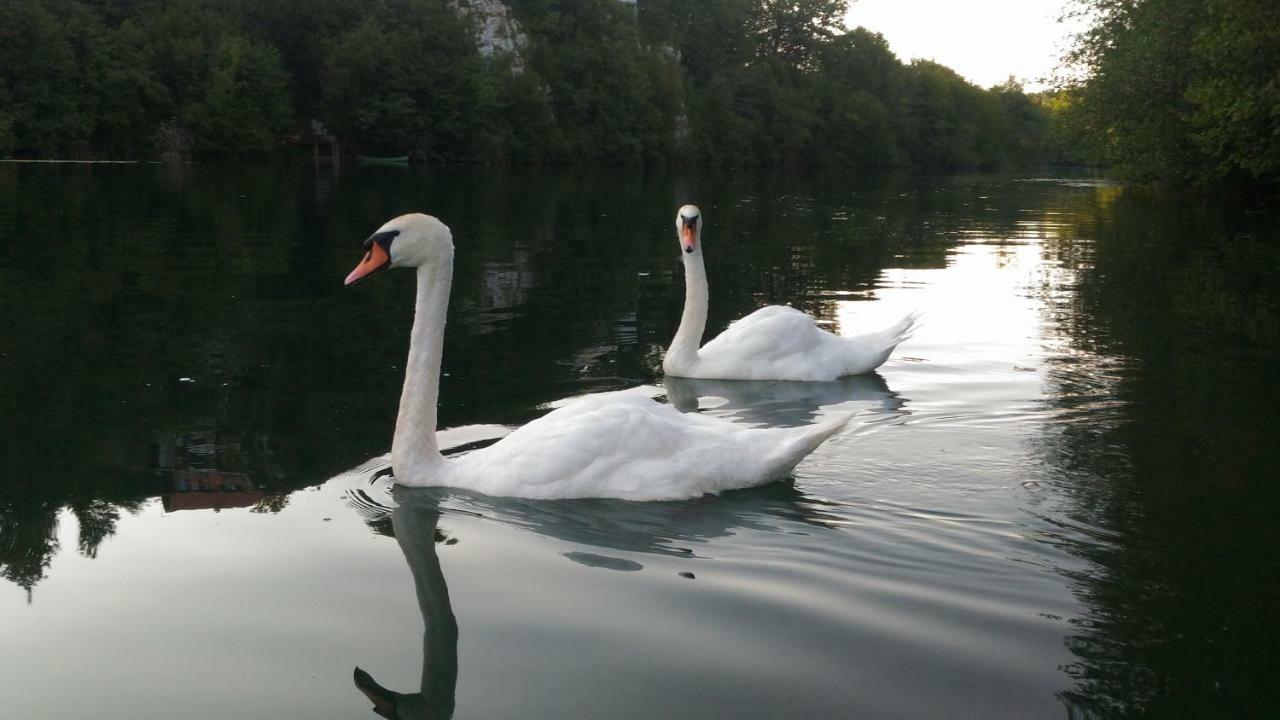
{"x": 684, "y": 347}
{"x": 414, "y": 448}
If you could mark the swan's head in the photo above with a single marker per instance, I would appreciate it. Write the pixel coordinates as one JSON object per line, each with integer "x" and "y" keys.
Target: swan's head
{"x": 689, "y": 227}
{"x": 407, "y": 241}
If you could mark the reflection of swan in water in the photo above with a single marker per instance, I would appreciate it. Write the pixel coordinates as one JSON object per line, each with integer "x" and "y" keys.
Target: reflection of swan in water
{"x": 782, "y": 402}
{"x": 666, "y": 528}
{"x": 620, "y": 445}
{"x": 605, "y": 527}
{"x": 772, "y": 343}
{"x": 414, "y": 526}
{"x": 669, "y": 528}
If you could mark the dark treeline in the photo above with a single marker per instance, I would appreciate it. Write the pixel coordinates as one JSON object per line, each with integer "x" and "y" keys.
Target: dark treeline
{"x": 1182, "y": 93}
{"x": 733, "y": 82}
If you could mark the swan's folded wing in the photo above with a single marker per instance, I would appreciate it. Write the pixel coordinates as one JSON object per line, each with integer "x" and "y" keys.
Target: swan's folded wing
{"x": 572, "y": 450}
{"x": 624, "y": 445}
{"x": 775, "y": 342}
{"x": 767, "y": 315}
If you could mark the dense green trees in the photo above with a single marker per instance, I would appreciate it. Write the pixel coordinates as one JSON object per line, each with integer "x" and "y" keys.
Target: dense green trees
{"x": 733, "y": 82}
{"x": 610, "y": 97}
{"x": 36, "y": 57}
{"x": 401, "y": 80}
{"x": 794, "y": 31}
{"x": 1180, "y": 92}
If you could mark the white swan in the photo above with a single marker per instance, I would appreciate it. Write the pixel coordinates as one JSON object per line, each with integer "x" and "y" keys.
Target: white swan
{"x": 619, "y": 445}
{"x": 772, "y": 343}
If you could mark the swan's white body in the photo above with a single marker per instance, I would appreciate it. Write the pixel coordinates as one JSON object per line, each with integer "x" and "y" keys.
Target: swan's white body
{"x": 617, "y": 445}
{"x": 626, "y": 445}
{"x": 772, "y": 343}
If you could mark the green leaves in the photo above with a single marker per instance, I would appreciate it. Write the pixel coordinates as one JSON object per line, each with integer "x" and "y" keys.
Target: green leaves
{"x": 794, "y": 31}
{"x": 245, "y": 108}
{"x": 1183, "y": 92}
{"x": 731, "y": 82}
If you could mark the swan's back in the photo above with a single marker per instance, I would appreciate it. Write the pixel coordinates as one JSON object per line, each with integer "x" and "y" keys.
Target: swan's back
{"x": 782, "y": 343}
{"x": 774, "y": 342}
{"x": 625, "y": 445}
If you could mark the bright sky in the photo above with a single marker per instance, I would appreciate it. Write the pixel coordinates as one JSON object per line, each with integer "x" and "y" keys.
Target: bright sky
{"x": 983, "y": 40}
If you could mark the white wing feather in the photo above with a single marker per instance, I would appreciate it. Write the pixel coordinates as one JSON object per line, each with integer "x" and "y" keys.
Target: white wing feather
{"x": 625, "y": 445}
{"x": 782, "y": 343}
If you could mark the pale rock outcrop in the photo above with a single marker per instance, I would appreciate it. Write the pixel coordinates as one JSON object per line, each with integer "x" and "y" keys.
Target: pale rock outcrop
{"x": 497, "y": 32}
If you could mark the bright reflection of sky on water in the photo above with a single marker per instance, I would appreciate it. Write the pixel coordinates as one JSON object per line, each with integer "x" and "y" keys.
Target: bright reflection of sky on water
{"x": 971, "y": 306}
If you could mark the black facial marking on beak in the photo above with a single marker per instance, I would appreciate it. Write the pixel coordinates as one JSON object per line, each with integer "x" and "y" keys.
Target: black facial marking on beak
{"x": 688, "y": 249}
{"x": 377, "y": 255}
{"x": 690, "y": 222}
{"x": 383, "y": 239}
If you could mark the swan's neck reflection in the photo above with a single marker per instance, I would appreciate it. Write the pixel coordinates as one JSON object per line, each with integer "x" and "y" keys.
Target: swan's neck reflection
{"x": 415, "y": 530}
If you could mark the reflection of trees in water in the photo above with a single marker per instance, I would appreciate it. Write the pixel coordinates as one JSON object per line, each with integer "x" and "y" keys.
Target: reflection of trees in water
{"x": 232, "y": 278}
{"x": 28, "y": 542}
{"x": 97, "y": 520}
{"x": 1164, "y": 445}
{"x": 152, "y": 278}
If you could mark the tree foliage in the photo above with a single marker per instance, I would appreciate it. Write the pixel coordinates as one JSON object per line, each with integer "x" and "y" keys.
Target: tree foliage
{"x": 1181, "y": 92}
{"x": 731, "y": 82}
{"x": 794, "y": 31}
{"x": 401, "y": 80}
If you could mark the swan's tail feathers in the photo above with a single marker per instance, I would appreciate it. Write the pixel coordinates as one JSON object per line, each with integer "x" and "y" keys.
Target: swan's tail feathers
{"x": 799, "y": 442}
{"x": 903, "y": 329}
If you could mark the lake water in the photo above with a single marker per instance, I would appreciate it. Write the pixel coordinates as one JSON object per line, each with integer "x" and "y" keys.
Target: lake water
{"x": 1058, "y": 500}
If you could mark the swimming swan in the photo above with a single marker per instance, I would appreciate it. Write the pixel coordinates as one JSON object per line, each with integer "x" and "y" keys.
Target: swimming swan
{"x": 619, "y": 445}
{"x": 772, "y": 343}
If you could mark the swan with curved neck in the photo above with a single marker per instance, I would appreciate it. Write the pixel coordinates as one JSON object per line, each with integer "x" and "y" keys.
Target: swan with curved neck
{"x": 772, "y": 343}
{"x": 619, "y": 445}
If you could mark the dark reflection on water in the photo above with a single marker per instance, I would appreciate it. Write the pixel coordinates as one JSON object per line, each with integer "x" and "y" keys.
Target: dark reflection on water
{"x": 1058, "y": 498}
{"x": 1166, "y": 457}
{"x": 414, "y": 523}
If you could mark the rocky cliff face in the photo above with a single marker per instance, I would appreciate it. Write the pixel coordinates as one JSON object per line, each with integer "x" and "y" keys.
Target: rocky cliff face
{"x": 497, "y": 33}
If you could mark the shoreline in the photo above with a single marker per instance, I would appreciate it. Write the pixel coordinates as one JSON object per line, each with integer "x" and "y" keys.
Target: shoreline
{"x": 83, "y": 162}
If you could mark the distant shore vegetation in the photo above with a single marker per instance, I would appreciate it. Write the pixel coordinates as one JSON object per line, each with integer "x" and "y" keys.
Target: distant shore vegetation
{"x": 1165, "y": 91}
{"x": 725, "y": 82}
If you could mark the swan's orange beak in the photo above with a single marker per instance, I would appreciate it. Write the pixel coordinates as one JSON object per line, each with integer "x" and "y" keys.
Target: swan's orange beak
{"x": 375, "y": 259}
{"x": 688, "y": 237}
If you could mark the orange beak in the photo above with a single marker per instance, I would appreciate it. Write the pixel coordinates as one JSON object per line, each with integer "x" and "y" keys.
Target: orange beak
{"x": 689, "y": 236}
{"x": 374, "y": 260}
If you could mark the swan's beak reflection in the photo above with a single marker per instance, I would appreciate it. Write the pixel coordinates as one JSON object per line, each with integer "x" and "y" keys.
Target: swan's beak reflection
{"x": 384, "y": 700}
{"x": 375, "y": 259}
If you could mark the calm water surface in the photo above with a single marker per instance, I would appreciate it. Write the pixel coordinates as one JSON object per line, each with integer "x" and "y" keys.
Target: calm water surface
{"x": 1058, "y": 500}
